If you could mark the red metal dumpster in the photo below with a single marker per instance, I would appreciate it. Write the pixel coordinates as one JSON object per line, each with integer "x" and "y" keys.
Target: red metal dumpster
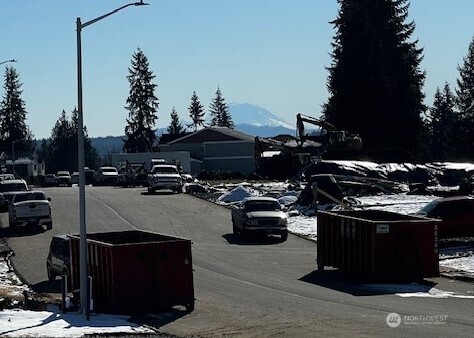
{"x": 136, "y": 271}
{"x": 378, "y": 245}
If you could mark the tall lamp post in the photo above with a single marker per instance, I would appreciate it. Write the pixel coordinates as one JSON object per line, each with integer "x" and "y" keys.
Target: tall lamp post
{"x": 85, "y": 308}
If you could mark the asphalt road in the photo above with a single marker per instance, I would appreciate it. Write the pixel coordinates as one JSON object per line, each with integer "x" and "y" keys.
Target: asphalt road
{"x": 247, "y": 288}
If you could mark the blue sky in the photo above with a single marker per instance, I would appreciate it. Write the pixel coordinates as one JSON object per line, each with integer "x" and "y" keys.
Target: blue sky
{"x": 272, "y": 53}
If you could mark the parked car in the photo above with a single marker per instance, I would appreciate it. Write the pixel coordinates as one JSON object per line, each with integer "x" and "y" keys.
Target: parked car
{"x": 164, "y": 176}
{"x": 4, "y": 177}
{"x": 30, "y": 208}
{"x": 50, "y": 180}
{"x": 259, "y": 215}
{"x": 456, "y": 215}
{"x": 106, "y": 176}
{"x": 63, "y": 178}
{"x": 9, "y": 187}
{"x": 58, "y": 260}
{"x": 75, "y": 178}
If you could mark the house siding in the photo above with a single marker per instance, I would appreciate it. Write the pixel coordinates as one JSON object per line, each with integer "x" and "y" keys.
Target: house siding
{"x": 217, "y": 149}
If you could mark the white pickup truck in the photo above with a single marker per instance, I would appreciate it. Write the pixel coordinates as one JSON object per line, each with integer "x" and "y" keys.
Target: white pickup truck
{"x": 30, "y": 208}
{"x": 260, "y": 215}
{"x": 164, "y": 176}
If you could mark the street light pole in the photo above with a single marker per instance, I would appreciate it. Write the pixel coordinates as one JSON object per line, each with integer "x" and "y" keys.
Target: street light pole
{"x": 83, "y": 261}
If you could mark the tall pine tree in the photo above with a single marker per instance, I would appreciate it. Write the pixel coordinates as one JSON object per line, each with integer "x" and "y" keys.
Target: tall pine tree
{"x": 374, "y": 83}
{"x": 60, "y": 153}
{"x": 196, "y": 112}
{"x": 220, "y": 112}
{"x": 465, "y": 104}
{"x": 176, "y": 127}
{"x": 443, "y": 124}
{"x": 13, "y": 128}
{"x": 142, "y": 106}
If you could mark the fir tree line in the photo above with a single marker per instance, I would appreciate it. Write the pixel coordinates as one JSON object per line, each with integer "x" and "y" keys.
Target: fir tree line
{"x": 219, "y": 111}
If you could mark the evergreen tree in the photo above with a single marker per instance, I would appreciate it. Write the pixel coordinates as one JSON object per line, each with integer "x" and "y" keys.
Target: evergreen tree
{"x": 91, "y": 156}
{"x": 13, "y": 129}
{"x": 196, "y": 112}
{"x": 443, "y": 124}
{"x": 374, "y": 82}
{"x": 62, "y": 150}
{"x": 175, "y": 127}
{"x": 465, "y": 105}
{"x": 142, "y": 105}
{"x": 60, "y": 153}
{"x": 220, "y": 112}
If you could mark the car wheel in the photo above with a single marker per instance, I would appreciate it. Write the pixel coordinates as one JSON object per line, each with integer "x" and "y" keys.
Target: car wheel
{"x": 49, "y": 225}
{"x": 51, "y": 275}
{"x": 284, "y": 236}
{"x": 235, "y": 230}
{"x": 243, "y": 233}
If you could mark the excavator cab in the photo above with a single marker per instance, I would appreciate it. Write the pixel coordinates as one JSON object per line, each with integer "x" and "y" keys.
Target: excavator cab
{"x": 330, "y": 138}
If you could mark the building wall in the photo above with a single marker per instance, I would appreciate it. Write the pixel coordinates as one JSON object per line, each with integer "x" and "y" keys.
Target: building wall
{"x": 173, "y": 157}
{"x": 233, "y": 156}
{"x": 195, "y": 150}
{"x": 217, "y": 149}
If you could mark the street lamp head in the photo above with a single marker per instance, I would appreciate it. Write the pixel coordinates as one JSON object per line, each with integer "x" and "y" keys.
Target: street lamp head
{"x": 141, "y": 3}
{"x": 12, "y": 60}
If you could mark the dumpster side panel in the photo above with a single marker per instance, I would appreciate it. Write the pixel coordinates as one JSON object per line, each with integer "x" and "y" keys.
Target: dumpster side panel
{"x": 74, "y": 259}
{"x": 378, "y": 245}
{"x": 146, "y": 274}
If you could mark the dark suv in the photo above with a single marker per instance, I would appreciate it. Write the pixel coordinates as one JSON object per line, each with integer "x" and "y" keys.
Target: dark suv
{"x": 58, "y": 261}
{"x": 456, "y": 215}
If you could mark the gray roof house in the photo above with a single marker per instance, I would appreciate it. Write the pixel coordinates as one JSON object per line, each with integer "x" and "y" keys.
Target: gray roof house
{"x": 217, "y": 149}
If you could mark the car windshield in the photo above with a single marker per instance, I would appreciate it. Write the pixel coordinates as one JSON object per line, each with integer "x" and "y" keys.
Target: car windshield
{"x": 35, "y": 196}
{"x": 109, "y": 170}
{"x": 12, "y": 187}
{"x": 262, "y": 206}
{"x": 164, "y": 170}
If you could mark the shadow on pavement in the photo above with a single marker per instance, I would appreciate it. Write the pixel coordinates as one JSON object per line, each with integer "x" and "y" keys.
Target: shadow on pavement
{"x": 47, "y": 286}
{"x": 159, "y": 192}
{"x": 9, "y": 232}
{"x": 252, "y": 239}
{"x": 159, "y": 319}
{"x": 336, "y": 280}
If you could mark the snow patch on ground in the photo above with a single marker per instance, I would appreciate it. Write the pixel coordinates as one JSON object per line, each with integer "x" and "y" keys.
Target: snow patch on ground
{"x": 53, "y": 323}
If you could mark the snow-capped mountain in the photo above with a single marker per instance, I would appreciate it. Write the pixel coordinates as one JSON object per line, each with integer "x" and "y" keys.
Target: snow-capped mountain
{"x": 246, "y": 113}
{"x": 257, "y": 121}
